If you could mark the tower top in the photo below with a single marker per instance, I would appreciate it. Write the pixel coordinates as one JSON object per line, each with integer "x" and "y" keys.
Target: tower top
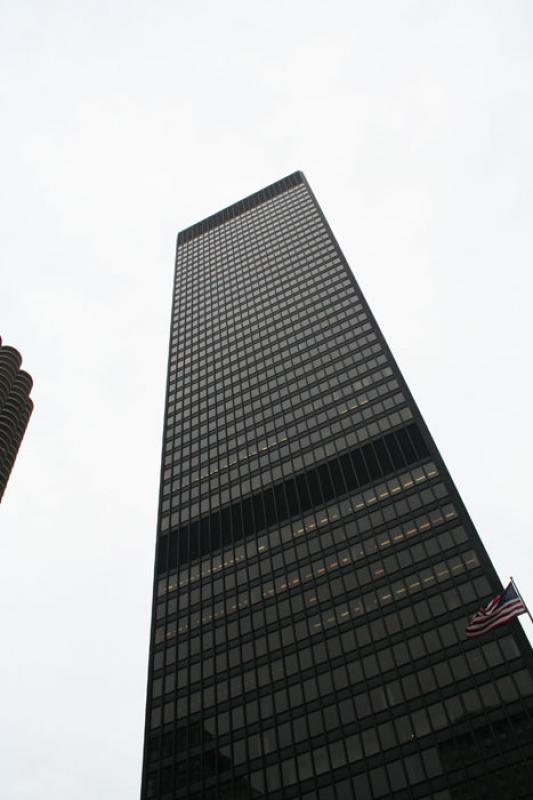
{"x": 234, "y": 210}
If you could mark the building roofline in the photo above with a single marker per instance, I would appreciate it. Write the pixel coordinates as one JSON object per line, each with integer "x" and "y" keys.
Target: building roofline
{"x": 234, "y": 210}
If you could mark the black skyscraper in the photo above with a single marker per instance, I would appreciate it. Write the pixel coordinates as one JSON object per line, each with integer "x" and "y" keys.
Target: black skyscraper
{"x": 315, "y": 566}
{"x": 15, "y": 409}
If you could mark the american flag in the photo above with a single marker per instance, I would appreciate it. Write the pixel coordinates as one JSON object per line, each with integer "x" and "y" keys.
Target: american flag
{"x": 501, "y": 609}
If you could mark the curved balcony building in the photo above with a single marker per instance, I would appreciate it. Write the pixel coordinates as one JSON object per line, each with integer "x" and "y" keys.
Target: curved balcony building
{"x": 15, "y": 409}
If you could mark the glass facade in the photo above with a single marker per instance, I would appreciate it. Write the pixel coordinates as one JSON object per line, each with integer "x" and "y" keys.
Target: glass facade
{"x": 315, "y": 566}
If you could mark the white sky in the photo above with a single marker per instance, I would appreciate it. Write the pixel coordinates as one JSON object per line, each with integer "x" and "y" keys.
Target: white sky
{"x": 123, "y": 122}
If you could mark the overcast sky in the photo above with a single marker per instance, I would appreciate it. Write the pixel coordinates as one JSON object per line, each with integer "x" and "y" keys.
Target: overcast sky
{"x": 123, "y": 122}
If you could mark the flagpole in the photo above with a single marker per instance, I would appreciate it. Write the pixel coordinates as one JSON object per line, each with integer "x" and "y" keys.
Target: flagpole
{"x": 521, "y": 598}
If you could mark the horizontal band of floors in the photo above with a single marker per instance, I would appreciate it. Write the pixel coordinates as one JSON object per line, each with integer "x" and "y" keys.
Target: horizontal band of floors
{"x": 234, "y": 210}
{"x": 280, "y": 349}
{"x": 411, "y": 665}
{"x": 288, "y": 447}
{"x": 314, "y": 398}
{"x": 310, "y": 276}
{"x": 241, "y": 434}
{"x": 273, "y": 319}
{"x": 414, "y": 773}
{"x": 354, "y": 679}
{"x": 368, "y": 703}
{"x": 414, "y": 769}
{"x": 362, "y": 376}
{"x": 353, "y": 392}
{"x": 355, "y": 531}
{"x": 284, "y": 450}
{"x": 275, "y": 369}
{"x": 330, "y": 480}
{"x": 322, "y": 616}
{"x": 388, "y": 737}
{"x": 280, "y": 440}
{"x": 463, "y": 718}
{"x": 218, "y": 445}
{"x": 330, "y": 618}
{"x": 335, "y": 539}
{"x": 348, "y": 709}
{"x": 374, "y": 699}
{"x": 370, "y": 651}
{"x": 197, "y": 737}
{"x": 375, "y": 518}
{"x": 310, "y": 587}
{"x": 510, "y": 777}
{"x": 213, "y": 638}
{"x": 318, "y": 299}
{"x": 373, "y": 627}
{"x": 206, "y": 371}
{"x": 313, "y": 380}
{"x": 360, "y": 511}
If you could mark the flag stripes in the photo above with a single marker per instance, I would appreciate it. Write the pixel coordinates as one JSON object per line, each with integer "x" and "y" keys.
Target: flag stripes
{"x": 500, "y": 610}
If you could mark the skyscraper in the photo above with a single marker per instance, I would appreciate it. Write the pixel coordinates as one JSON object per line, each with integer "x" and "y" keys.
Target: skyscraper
{"x": 315, "y": 566}
{"x": 15, "y": 409}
